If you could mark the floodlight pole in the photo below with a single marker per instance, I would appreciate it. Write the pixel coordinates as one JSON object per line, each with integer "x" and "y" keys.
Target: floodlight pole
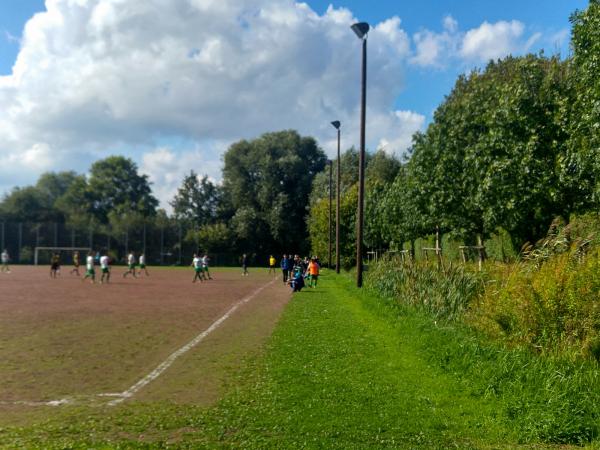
{"x": 337, "y": 124}
{"x": 330, "y": 162}
{"x": 361, "y": 30}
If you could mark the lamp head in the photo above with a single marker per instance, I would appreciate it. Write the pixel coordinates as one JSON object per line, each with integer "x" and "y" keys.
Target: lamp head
{"x": 361, "y": 29}
{"x": 336, "y": 124}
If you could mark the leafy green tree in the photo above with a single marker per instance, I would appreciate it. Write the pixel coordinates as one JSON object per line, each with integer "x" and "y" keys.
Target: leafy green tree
{"x": 38, "y": 203}
{"x": 25, "y": 205}
{"x": 382, "y": 168}
{"x": 212, "y": 238}
{"x": 115, "y": 186}
{"x": 267, "y": 182}
{"x": 76, "y": 205}
{"x": 318, "y": 225}
{"x": 489, "y": 158}
{"x": 197, "y": 200}
{"x": 581, "y": 164}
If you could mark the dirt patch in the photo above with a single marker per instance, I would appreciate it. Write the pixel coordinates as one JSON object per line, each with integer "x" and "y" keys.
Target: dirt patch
{"x": 65, "y": 338}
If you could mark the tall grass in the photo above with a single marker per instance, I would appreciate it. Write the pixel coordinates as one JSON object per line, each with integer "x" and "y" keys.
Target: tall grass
{"x": 526, "y": 333}
{"x": 442, "y": 293}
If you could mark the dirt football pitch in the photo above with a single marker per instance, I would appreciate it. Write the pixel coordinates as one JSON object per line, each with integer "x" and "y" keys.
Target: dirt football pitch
{"x": 72, "y": 342}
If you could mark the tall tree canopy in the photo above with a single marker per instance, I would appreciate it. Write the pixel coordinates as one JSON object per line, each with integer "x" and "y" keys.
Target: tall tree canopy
{"x": 197, "y": 201}
{"x": 490, "y": 157}
{"x": 581, "y": 165}
{"x": 115, "y": 186}
{"x": 268, "y": 181}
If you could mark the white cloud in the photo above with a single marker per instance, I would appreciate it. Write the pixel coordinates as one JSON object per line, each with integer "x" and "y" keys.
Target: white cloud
{"x": 166, "y": 168}
{"x": 474, "y": 46}
{"x": 94, "y": 77}
{"x": 491, "y": 41}
{"x": 404, "y": 122}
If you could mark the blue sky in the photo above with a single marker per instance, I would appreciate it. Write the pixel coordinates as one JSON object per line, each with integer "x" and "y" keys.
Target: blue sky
{"x": 173, "y": 84}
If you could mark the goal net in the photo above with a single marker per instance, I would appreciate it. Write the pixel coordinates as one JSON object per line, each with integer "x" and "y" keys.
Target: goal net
{"x": 43, "y": 254}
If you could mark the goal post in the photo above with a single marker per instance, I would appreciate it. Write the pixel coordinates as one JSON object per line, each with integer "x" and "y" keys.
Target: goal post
{"x": 60, "y": 249}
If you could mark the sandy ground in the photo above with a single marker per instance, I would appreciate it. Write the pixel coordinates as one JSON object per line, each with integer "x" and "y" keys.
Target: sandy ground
{"x": 67, "y": 338}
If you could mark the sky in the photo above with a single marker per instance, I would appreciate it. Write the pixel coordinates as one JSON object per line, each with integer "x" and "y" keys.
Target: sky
{"x": 172, "y": 83}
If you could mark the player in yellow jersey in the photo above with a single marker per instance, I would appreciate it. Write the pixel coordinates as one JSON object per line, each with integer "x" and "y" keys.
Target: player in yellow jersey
{"x": 272, "y": 264}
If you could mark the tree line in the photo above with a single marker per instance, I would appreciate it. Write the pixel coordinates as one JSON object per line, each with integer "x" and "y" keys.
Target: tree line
{"x": 259, "y": 208}
{"x": 510, "y": 148}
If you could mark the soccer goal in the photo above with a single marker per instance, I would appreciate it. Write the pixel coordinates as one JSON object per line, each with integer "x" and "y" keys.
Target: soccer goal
{"x": 59, "y": 249}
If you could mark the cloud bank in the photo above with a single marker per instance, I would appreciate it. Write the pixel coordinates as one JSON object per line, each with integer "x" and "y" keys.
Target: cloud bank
{"x": 172, "y": 84}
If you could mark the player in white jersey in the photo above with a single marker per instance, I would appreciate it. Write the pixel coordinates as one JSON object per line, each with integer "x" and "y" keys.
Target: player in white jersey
{"x": 5, "y": 259}
{"x": 143, "y": 265}
{"x": 205, "y": 260}
{"x": 197, "y": 265}
{"x": 130, "y": 265}
{"x": 105, "y": 268}
{"x": 89, "y": 268}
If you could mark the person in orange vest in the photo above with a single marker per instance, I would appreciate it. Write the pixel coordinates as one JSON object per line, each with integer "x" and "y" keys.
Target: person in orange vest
{"x": 313, "y": 271}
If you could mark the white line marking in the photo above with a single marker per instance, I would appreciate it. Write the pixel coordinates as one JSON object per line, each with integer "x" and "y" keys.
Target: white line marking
{"x": 176, "y": 354}
{"x": 122, "y": 396}
{"x": 62, "y": 401}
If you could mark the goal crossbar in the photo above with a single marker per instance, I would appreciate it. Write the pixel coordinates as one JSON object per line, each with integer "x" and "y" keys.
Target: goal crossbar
{"x": 67, "y": 249}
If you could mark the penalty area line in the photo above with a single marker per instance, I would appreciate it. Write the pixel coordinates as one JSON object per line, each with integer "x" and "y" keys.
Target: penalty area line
{"x": 158, "y": 371}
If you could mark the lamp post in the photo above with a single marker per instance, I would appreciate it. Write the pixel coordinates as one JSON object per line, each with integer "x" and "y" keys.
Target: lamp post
{"x": 337, "y": 124}
{"x": 361, "y": 29}
{"x": 330, "y": 162}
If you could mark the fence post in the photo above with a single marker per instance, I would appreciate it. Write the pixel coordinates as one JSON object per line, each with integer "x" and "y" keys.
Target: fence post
{"x": 144, "y": 237}
{"x": 3, "y": 237}
{"x": 162, "y": 245}
{"x": 480, "y": 250}
{"x": 91, "y": 236}
{"x": 72, "y": 237}
{"x": 179, "y": 263}
{"x": 56, "y": 234}
{"x": 20, "y": 241}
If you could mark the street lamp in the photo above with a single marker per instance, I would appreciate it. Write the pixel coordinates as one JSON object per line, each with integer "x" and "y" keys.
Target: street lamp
{"x": 330, "y": 162}
{"x": 361, "y": 29}
{"x": 337, "y": 124}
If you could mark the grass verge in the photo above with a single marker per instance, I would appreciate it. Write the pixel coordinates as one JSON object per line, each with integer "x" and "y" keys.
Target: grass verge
{"x": 340, "y": 371}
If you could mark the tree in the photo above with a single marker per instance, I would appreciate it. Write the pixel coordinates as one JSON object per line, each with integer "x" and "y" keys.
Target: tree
{"x": 489, "y": 158}
{"x": 197, "y": 200}
{"x": 581, "y": 164}
{"x": 25, "y": 205}
{"x": 76, "y": 205}
{"x": 318, "y": 225}
{"x": 267, "y": 182}
{"x": 115, "y": 186}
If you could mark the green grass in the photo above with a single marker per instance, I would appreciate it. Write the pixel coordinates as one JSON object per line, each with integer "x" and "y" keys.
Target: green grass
{"x": 342, "y": 370}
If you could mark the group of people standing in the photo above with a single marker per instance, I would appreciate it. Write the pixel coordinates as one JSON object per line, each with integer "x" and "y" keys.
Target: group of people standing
{"x": 296, "y": 270}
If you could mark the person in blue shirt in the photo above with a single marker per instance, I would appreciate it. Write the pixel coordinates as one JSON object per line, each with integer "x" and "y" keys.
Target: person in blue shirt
{"x": 285, "y": 267}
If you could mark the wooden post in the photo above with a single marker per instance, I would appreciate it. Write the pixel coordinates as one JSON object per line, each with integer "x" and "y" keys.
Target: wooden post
{"x": 480, "y": 251}
{"x": 438, "y": 248}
